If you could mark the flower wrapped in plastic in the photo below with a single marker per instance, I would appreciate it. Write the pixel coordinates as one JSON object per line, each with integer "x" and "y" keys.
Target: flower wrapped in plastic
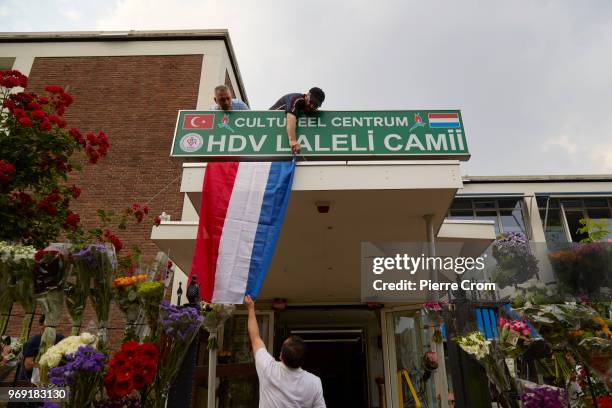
{"x": 132, "y": 368}
{"x": 542, "y": 396}
{"x": 80, "y": 371}
{"x": 55, "y": 354}
{"x": 514, "y": 337}
{"x": 177, "y": 328}
{"x": 492, "y": 360}
{"x": 125, "y": 293}
{"x": 214, "y": 316}
{"x": 17, "y": 285}
{"x": 100, "y": 262}
{"x": 77, "y": 287}
{"x": 151, "y": 294}
{"x": 49, "y": 288}
{"x": 433, "y": 310}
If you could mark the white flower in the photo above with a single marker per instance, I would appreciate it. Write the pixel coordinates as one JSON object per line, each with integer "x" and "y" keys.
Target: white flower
{"x": 87, "y": 338}
{"x": 69, "y": 345}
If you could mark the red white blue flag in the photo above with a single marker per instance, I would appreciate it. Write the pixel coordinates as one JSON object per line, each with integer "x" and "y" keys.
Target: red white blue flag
{"x": 443, "y": 120}
{"x": 242, "y": 211}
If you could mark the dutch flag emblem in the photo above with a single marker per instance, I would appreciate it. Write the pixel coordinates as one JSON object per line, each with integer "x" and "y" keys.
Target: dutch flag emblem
{"x": 443, "y": 120}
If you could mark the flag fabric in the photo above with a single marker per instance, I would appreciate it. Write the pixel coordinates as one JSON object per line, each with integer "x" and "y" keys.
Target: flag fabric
{"x": 241, "y": 214}
{"x": 443, "y": 120}
{"x": 199, "y": 121}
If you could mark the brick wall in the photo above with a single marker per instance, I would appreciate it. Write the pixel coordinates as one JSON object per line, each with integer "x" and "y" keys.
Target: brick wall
{"x": 134, "y": 100}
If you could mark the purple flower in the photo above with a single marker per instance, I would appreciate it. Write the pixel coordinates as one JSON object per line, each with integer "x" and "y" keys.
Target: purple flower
{"x": 85, "y": 360}
{"x": 179, "y": 322}
{"x": 125, "y": 402}
{"x": 543, "y": 397}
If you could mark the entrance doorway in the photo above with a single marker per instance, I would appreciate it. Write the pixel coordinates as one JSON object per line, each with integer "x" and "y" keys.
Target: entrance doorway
{"x": 343, "y": 348}
{"x": 338, "y": 357}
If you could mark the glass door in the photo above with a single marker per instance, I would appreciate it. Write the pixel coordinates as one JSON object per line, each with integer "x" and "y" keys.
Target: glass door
{"x": 406, "y": 340}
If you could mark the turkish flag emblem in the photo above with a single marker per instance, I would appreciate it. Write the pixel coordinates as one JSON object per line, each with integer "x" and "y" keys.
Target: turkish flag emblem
{"x": 198, "y": 121}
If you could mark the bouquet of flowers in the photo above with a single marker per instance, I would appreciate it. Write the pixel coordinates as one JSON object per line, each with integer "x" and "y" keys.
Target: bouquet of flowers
{"x": 77, "y": 287}
{"x": 434, "y": 309}
{"x": 177, "y": 329}
{"x": 54, "y": 355}
{"x": 133, "y": 367}
{"x": 101, "y": 262}
{"x": 214, "y": 317}
{"x": 514, "y": 337}
{"x": 17, "y": 284}
{"x": 126, "y": 296}
{"x": 81, "y": 371}
{"x": 576, "y": 328}
{"x": 151, "y": 294}
{"x": 125, "y": 402}
{"x": 491, "y": 359}
{"x": 542, "y": 396}
{"x": 48, "y": 285}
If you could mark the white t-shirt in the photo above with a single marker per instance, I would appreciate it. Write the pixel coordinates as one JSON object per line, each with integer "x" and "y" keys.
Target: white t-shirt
{"x": 284, "y": 387}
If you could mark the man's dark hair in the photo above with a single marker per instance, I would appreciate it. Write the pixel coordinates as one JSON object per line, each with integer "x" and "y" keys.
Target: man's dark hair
{"x": 317, "y": 95}
{"x": 292, "y": 352}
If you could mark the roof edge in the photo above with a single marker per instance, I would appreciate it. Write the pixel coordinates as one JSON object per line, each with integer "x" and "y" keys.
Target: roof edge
{"x": 132, "y": 35}
{"x": 551, "y": 178}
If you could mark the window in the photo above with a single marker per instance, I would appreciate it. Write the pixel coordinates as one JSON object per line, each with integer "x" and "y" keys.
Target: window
{"x": 506, "y": 213}
{"x": 562, "y": 220}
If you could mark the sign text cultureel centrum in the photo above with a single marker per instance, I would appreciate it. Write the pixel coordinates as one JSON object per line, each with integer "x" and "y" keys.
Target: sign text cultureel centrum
{"x": 235, "y": 135}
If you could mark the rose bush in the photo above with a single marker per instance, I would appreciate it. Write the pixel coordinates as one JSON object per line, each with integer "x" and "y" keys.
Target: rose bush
{"x": 37, "y": 153}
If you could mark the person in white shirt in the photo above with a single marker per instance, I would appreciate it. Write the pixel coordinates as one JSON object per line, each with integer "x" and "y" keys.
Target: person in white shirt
{"x": 283, "y": 384}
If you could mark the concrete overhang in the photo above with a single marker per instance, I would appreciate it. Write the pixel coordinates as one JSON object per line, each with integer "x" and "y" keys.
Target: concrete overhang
{"x": 321, "y": 265}
{"x": 317, "y": 257}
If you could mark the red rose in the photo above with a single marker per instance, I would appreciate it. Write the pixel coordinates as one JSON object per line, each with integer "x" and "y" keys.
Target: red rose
{"x": 19, "y": 113}
{"x": 72, "y": 221}
{"x": 75, "y": 191}
{"x": 38, "y": 114}
{"x": 57, "y": 120}
{"x": 169, "y": 265}
{"x": 43, "y": 100}
{"x": 45, "y": 124}
{"x": 117, "y": 243}
{"x": 93, "y": 157}
{"x": 25, "y": 121}
{"x": 11, "y": 78}
{"x": 5, "y": 169}
{"x": 9, "y": 104}
{"x": 145, "y": 209}
{"x": 34, "y": 106}
{"x": 92, "y": 139}
{"x": 54, "y": 89}
{"x": 66, "y": 98}
{"x": 157, "y": 220}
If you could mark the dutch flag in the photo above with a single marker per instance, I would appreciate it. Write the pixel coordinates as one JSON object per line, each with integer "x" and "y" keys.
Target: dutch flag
{"x": 242, "y": 210}
{"x": 443, "y": 120}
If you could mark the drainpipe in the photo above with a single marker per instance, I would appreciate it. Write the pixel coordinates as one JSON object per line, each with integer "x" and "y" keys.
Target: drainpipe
{"x": 441, "y": 382}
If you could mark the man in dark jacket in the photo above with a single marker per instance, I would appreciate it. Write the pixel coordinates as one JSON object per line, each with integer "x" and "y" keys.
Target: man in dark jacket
{"x": 294, "y": 104}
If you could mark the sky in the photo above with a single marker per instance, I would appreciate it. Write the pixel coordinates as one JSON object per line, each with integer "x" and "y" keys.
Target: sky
{"x": 533, "y": 79}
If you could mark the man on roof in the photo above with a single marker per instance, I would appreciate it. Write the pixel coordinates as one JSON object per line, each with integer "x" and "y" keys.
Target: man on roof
{"x": 295, "y": 104}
